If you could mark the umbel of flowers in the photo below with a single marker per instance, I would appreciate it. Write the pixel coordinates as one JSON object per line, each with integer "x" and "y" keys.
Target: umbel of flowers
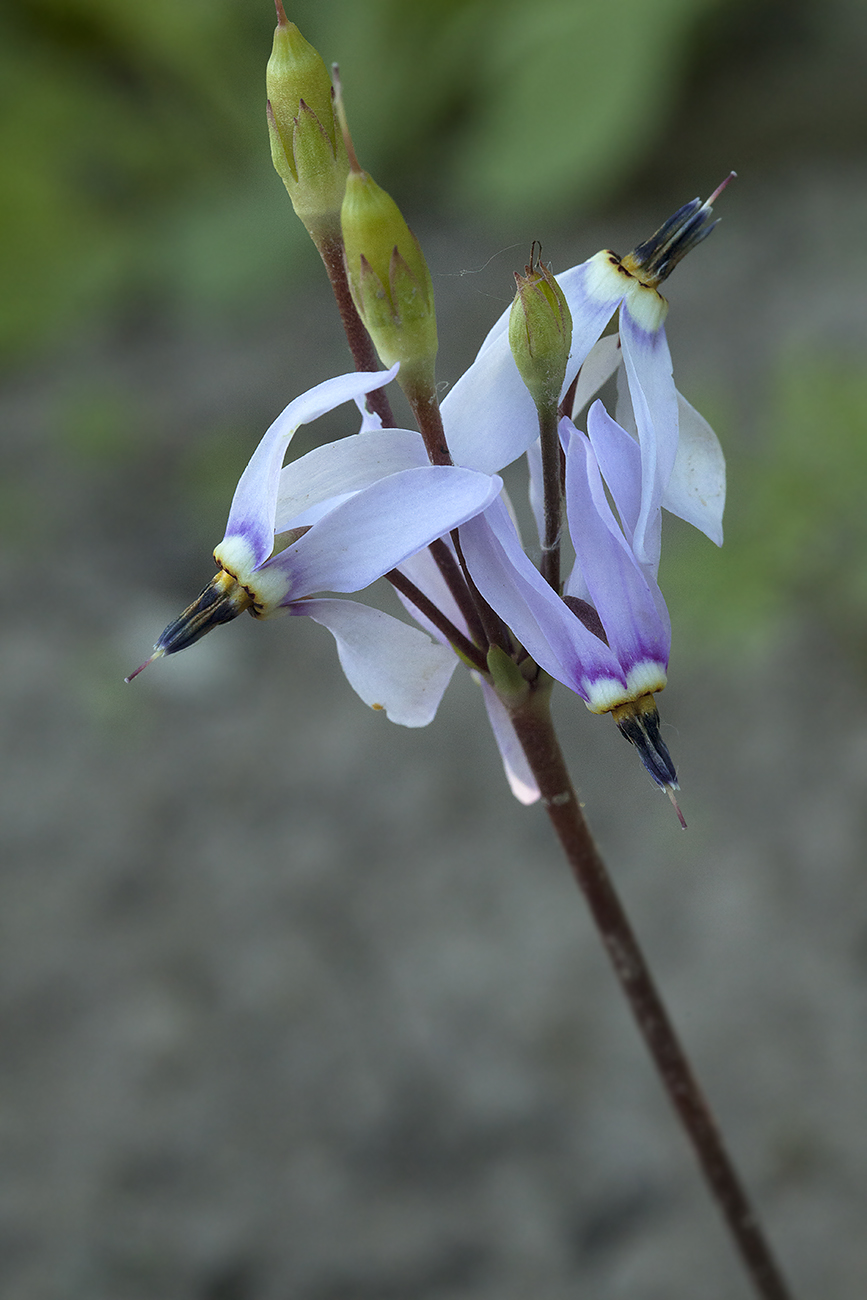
{"x": 426, "y": 508}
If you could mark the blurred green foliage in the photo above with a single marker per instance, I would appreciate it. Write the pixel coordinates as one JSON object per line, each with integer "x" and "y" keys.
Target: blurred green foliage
{"x": 114, "y": 115}
{"x": 135, "y": 158}
{"x": 796, "y": 522}
{"x": 497, "y": 109}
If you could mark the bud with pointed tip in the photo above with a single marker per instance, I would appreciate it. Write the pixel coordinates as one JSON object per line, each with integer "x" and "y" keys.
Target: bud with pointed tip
{"x": 540, "y": 332}
{"x": 389, "y": 280}
{"x": 306, "y": 145}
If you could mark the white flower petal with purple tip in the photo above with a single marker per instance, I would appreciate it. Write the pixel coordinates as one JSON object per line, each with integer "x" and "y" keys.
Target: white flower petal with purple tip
{"x": 654, "y": 403}
{"x": 352, "y": 463}
{"x": 546, "y": 627}
{"x": 632, "y": 612}
{"x": 254, "y": 505}
{"x": 374, "y": 531}
{"x": 619, "y": 459}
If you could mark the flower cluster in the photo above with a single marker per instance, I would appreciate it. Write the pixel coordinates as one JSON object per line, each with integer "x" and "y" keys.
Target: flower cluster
{"x": 354, "y": 510}
{"x": 427, "y": 509}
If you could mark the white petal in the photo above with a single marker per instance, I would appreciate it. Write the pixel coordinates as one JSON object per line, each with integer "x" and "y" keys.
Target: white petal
{"x": 537, "y": 486}
{"x": 423, "y": 570}
{"x": 651, "y": 388}
{"x": 341, "y": 468}
{"x": 625, "y": 596}
{"x": 521, "y": 780}
{"x": 254, "y": 504}
{"x": 380, "y": 527}
{"x": 390, "y": 665}
{"x": 619, "y": 459}
{"x": 489, "y": 417}
{"x": 602, "y": 361}
{"x": 544, "y": 625}
{"x": 697, "y": 488}
{"x": 369, "y": 419}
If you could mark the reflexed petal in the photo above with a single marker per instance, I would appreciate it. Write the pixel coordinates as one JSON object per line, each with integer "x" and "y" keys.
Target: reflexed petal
{"x": 537, "y": 486}
{"x": 370, "y": 421}
{"x": 602, "y": 361}
{"x": 696, "y": 490}
{"x": 593, "y": 290}
{"x": 654, "y": 403}
{"x": 619, "y": 459}
{"x": 379, "y": 527}
{"x": 544, "y": 625}
{"x": 251, "y": 516}
{"x": 390, "y": 665}
{"x": 343, "y": 467}
{"x": 631, "y": 614}
{"x": 521, "y": 780}
{"x": 489, "y": 417}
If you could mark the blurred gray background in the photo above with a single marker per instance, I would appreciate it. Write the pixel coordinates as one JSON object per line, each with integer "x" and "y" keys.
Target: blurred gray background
{"x": 299, "y": 1005}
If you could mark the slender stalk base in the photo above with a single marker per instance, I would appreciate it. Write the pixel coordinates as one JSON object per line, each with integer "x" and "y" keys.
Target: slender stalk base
{"x": 360, "y": 345}
{"x": 532, "y": 721}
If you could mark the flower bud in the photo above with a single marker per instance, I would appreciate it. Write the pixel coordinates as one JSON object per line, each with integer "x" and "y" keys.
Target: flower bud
{"x": 306, "y": 145}
{"x": 540, "y": 332}
{"x": 389, "y": 280}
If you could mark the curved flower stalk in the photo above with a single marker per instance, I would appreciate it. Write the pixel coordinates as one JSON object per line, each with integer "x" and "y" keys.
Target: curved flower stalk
{"x": 334, "y": 521}
{"x": 490, "y": 418}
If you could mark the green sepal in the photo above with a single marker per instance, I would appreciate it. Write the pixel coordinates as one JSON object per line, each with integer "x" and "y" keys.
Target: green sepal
{"x": 508, "y": 681}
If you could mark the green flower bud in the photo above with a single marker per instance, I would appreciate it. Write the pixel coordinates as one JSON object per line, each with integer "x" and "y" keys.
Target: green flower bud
{"x": 306, "y": 145}
{"x": 540, "y": 332}
{"x": 389, "y": 279}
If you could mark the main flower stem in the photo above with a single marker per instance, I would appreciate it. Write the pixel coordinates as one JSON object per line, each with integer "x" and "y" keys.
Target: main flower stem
{"x": 360, "y": 344}
{"x": 553, "y": 496}
{"x": 535, "y": 731}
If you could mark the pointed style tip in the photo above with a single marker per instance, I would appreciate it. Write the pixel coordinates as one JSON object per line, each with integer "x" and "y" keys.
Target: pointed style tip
{"x": 157, "y": 654}
{"x": 669, "y": 790}
{"x": 719, "y": 189}
{"x": 282, "y": 20}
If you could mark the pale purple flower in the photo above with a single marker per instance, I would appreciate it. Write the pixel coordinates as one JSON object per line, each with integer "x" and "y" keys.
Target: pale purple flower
{"x": 490, "y": 418}
{"x": 608, "y": 637}
{"x": 334, "y": 521}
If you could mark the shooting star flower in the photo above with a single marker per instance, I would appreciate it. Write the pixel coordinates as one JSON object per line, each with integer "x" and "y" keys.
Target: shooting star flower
{"x": 334, "y": 521}
{"x": 490, "y": 417}
{"x": 608, "y": 637}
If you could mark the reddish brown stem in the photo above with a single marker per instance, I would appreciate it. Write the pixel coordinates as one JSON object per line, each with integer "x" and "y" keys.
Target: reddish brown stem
{"x": 360, "y": 345}
{"x": 426, "y": 606}
{"x": 535, "y": 731}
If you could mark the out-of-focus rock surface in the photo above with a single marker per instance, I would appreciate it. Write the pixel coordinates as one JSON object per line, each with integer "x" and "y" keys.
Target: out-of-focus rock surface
{"x": 297, "y": 1005}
